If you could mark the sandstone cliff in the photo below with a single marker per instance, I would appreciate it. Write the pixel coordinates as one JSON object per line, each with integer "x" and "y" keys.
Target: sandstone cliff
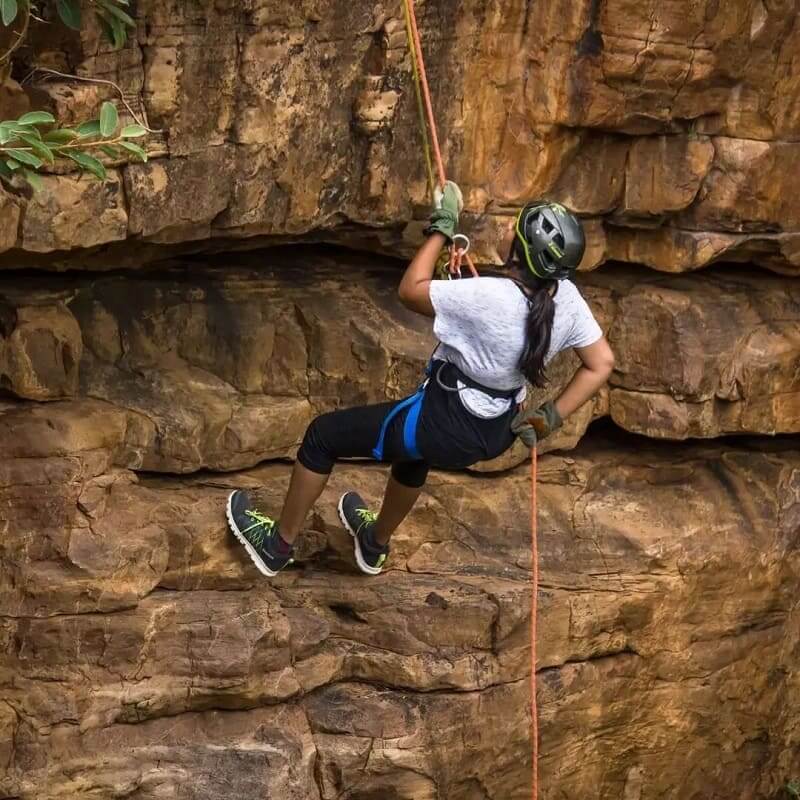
{"x": 134, "y": 631}
{"x": 671, "y": 127}
{"x": 144, "y": 658}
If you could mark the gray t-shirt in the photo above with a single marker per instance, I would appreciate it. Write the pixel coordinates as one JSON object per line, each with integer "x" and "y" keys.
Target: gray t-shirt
{"x": 480, "y": 324}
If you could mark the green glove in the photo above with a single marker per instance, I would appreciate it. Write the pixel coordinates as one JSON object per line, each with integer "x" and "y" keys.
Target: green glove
{"x": 448, "y": 203}
{"x": 533, "y": 426}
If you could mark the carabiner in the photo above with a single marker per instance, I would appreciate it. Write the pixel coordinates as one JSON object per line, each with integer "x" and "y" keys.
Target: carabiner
{"x": 457, "y": 254}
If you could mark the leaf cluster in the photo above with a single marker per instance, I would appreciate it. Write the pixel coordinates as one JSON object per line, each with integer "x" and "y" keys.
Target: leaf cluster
{"x": 34, "y": 142}
{"x": 111, "y": 14}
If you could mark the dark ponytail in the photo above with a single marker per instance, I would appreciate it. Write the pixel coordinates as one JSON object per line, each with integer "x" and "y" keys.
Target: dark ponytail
{"x": 539, "y": 325}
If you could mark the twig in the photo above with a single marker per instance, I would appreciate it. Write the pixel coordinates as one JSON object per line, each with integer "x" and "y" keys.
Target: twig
{"x": 20, "y": 38}
{"x": 77, "y": 144}
{"x": 103, "y": 81}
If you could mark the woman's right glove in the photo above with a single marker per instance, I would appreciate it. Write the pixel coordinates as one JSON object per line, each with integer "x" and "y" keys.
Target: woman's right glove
{"x": 448, "y": 203}
{"x": 533, "y": 426}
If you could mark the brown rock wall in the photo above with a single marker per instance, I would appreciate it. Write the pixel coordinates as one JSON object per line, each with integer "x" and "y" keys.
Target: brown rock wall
{"x": 140, "y": 646}
{"x": 672, "y": 128}
{"x": 143, "y": 657}
{"x": 224, "y": 367}
{"x": 72, "y": 212}
{"x": 40, "y": 351}
{"x": 684, "y": 370}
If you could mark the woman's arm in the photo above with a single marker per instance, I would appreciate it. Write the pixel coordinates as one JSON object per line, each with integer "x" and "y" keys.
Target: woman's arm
{"x": 414, "y": 289}
{"x": 598, "y": 362}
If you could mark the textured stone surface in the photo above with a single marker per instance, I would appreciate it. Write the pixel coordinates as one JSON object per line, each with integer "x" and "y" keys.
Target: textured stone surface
{"x": 9, "y": 219}
{"x": 73, "y": 212}
{"x": 40, "y": 350}
{"x": 141, "y": 649}
{"x": 223, "y": 367}
{"x": 702, "y": 356}
{"x": 143, "y": 657}
{"x": 673, "y": 128}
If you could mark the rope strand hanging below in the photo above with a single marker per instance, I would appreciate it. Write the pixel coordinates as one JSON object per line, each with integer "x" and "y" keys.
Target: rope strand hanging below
{"x": 425, "y": 108}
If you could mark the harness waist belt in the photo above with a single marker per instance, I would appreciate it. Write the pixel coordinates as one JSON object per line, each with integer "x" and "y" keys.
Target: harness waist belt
{"x": 460, "y": 376}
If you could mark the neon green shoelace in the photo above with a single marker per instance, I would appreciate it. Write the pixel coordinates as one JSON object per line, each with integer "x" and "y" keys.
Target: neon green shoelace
{"x": 366, "y": 516}
{"x": 262, "y": 527}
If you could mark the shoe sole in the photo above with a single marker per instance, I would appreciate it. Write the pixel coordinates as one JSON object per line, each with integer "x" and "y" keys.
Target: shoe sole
{"x": 362, "y": 565}
{"x": 254, "y": 556}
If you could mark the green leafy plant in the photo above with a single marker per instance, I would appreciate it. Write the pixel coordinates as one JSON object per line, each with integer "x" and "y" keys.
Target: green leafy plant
{"x": 793, "y": 788}
{"x": 34, "y": 141}
{"x": 111, "y": 14}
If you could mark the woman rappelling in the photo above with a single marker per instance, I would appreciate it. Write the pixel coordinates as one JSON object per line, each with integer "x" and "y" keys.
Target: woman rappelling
{"x": 495, "y": 333}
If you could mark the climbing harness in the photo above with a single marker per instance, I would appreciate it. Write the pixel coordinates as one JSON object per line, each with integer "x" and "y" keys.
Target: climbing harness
{"x": 425, "y": 110}
{"x": 414, "y": 406}
{"x": 469, "y": 383}
{"x": 414, "y": 403}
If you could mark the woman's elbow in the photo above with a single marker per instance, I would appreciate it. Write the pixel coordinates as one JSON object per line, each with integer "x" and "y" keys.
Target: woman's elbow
{"x": 416, "y": 297}
{"x": 601, "y": 362}
{"x": 607, "y": 366}
{"x": 404, "y": 294}
{"x": 413, "y": 295}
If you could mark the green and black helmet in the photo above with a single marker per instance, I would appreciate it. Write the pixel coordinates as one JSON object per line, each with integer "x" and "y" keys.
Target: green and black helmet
{"x": 551, "y": 239}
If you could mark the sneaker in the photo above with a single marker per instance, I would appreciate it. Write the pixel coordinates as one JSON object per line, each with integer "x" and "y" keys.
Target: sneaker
{"x": 359, "y": 521}
{"x": 259, "y": 535}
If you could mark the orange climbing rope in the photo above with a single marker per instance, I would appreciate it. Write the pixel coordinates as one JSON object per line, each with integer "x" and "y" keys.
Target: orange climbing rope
{"x": 421, "y": 79}
{"x": 424, "y": 99}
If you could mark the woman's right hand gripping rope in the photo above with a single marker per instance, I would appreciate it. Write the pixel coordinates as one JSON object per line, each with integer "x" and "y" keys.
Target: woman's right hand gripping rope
{"x": 533, "y": 426}
{"x": 448, "y": 203}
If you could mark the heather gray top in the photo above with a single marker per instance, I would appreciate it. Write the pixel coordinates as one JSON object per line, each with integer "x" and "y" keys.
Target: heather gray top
{"x": 480, "y": 324}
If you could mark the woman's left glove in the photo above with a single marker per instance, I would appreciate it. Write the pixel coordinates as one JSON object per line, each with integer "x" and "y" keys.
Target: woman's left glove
{"x": 448, "y": 203}
{"x": 533, "y": 426}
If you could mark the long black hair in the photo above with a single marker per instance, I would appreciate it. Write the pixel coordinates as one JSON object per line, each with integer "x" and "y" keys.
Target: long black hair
{"x": 542, "y": 309}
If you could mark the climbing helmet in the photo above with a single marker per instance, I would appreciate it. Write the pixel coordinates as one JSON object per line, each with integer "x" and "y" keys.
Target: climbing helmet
{"x": 551, "y": 239}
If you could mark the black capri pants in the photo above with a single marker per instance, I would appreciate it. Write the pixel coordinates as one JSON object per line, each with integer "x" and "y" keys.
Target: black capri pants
{"x": 448, "y": 437}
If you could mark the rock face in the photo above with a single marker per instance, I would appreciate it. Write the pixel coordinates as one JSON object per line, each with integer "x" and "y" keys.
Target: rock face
{"x": 226, "y": 369}
{"x": 132, "y": 627}
{"x": 702, "y": 356}
{"x": 143, "y": 657}
{"x": 672, "y": 128}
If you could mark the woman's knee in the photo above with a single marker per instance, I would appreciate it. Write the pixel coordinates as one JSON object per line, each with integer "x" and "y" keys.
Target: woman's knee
{"x": 411, "y": 474}
{"x": 315, "y": 452}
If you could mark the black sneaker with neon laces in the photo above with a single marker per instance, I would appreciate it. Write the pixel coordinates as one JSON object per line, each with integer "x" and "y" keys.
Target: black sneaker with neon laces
{"x": 258, "y": 534}
{"x": 360, "y": 522}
